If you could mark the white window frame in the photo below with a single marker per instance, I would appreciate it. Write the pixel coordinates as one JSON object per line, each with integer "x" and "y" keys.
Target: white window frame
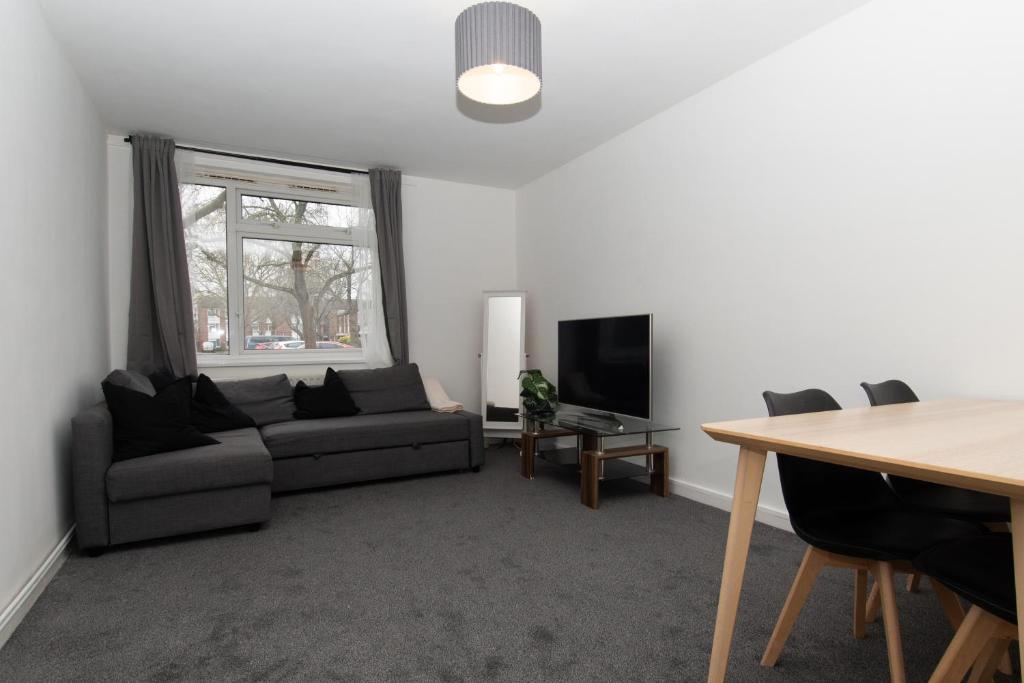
{"x": 238, "y": 230}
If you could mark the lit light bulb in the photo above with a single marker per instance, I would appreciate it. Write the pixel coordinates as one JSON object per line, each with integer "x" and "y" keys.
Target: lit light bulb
{"x": 497, "y": 53}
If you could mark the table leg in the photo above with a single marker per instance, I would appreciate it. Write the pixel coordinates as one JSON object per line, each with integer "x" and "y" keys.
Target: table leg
{"x": 589, "y": 479}
{"x": 659, "y": 477}
{"x": 749, "y": 472}
{"x": 526, "y": 454}
{"x": 1017, "y": 529}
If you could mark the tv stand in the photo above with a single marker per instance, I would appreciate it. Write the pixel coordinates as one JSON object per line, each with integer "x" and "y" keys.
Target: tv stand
{"x": 591, "y": 453}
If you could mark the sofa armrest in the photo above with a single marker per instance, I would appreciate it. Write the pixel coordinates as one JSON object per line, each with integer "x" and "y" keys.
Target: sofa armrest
{"x": 92, "y": 450}
{"x": 476, "y": 438}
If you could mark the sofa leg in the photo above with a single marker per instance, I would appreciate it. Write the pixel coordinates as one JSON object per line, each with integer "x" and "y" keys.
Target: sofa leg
{"x": 95, "y": 552}
{"x": 474, "y": 468}
{"x": 251, "y": 528}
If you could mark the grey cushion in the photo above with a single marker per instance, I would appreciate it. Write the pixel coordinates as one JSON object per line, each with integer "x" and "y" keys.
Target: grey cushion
{"x": 363, "y": 432}
{"x": 129, "y": 379}
{"x": 240, "y": 459}
{"x": 264, "y": 399}
{"x": 386, "y": 390}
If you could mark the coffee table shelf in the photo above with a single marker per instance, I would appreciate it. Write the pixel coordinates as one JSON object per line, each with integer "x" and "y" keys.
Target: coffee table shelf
{"x": 594, "y": 462}
{"x": 569, "y": 459}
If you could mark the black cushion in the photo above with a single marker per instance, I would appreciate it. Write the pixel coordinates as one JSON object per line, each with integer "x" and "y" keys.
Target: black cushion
{"x": 212, "y": 412}
{"x": 144, "y": 425}
{"x": 979, "y": 569}
{"x": 330, "y": 400}
{"x": 384, "y": 390}
{"x": 162, "y": 378}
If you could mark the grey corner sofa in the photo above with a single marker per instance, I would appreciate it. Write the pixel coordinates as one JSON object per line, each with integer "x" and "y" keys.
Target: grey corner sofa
{"x": 230, "y": 483}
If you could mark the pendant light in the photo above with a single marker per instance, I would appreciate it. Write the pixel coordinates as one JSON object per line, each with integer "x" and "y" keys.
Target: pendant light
{"x": 497, "y": 53}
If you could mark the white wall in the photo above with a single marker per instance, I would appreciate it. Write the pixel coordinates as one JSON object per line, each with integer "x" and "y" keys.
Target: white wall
{"x": 52, "y": 188}
{"x": 849, "y": 208}
{"x": 459, "y": 240}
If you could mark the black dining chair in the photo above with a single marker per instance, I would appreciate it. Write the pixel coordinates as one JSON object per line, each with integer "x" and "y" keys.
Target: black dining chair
{"x": 944, "y": 500}
{"x": 980, "y": 570}
{"x": 850, "y": 518}
{"x": 938, "y": 498}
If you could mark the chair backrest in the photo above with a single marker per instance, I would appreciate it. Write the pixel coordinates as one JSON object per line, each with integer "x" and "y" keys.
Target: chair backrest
{"x": 889, "y": 392}
{"x": 811, "y": 487}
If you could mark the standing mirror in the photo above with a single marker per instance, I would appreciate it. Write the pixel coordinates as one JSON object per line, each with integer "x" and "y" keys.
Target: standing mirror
{"x": 503, "y": 358}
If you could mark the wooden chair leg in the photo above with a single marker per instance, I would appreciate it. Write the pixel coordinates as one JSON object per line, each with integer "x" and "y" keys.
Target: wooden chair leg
{"x": 893, "y": 642}
{"x": 913, "y": 582}
{"x": 860, "y": 602}
{"x": 874, "y": 604}
{"x": 955, "y": 613}
{"x": 1003, "y": 665}
{"x": 971, "y": 638}
{"x": 950, "y": 604}
{"x": 985, "y": 668}
{"x": 805, "y": 576}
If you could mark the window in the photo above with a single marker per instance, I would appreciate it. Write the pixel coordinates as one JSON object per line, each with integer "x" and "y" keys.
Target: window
{"x": 272, "y": 210}
{"x": 205, "y": 218}
{"x": 277, "y": 268}
{"x": 300, "y": 285}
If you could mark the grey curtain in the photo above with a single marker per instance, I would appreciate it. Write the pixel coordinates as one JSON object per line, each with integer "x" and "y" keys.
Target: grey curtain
{"x": 386, "y": 195}
{"x": 160, "y": 328}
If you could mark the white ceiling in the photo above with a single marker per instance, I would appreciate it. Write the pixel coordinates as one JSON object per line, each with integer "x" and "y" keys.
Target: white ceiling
{"x": 371, "y": 82}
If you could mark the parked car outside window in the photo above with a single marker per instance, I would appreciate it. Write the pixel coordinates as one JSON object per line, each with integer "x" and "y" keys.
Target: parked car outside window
{"x": 264, "y": 342}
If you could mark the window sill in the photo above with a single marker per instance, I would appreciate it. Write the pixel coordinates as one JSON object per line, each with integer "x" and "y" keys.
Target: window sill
{"x": 274, "y": 359}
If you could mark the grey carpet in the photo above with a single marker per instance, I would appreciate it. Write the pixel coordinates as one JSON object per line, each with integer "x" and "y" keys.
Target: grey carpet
{"x": 457, "y": 577}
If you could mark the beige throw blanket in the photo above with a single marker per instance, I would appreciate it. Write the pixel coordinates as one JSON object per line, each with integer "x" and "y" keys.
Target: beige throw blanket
{"x": 439, "y": 400}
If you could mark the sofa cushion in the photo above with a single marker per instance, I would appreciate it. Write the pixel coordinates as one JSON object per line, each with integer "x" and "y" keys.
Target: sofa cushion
{"x": 130, "y": 379}
{"x": 144, "y": 425}
{"x": 327, "y": 400}
{"x": 212, "y": 412}
{"x": 362, "y": 432}
{"x": 384, "y": 390}
{"x": 240, "y": 459}
{"x": 264, "y": 399}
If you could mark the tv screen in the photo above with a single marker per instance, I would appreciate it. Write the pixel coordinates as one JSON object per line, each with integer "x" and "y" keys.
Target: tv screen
{"x": 604, "y": 364}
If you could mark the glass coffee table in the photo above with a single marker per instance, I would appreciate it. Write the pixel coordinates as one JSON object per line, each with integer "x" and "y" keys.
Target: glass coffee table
{"x": 595, "y": 462}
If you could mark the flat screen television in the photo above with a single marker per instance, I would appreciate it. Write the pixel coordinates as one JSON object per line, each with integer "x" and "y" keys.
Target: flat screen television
{"x": 604, "y": 364}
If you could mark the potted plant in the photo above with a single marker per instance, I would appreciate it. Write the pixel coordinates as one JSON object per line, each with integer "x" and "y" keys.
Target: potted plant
{"x": 539, "y": 395}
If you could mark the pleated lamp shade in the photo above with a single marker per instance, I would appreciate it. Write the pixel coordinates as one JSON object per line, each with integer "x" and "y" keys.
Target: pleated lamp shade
{"x": 497, "y": 53}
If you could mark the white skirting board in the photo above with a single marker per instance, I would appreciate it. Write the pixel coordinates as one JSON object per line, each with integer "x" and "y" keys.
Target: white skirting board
{"x": 723, "y": 501}
{"x": 30, "y": 592}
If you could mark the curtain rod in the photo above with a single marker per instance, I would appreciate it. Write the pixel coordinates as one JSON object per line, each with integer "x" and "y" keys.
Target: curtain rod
{"x": 250, "y": 157}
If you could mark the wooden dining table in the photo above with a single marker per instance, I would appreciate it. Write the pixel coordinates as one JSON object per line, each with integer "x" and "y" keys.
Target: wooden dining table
{"x": 972, "y": 444}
